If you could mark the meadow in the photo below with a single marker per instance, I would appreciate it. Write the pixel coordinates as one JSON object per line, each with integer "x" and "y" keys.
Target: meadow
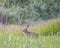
{"x": 11, "y": 36}
{"x": 14, "y": 41}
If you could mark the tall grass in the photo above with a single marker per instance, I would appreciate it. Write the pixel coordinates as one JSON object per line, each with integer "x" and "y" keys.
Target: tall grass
{"x": 14, "y": 41}
{"x": 11, "y": 36}
{"x": 50, "y": 27}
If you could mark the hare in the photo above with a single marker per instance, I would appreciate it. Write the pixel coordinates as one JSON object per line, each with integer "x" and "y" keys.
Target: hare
{"x": 26, "y": 32}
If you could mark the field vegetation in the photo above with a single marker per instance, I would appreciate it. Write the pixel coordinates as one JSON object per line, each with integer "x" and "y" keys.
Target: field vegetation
{"x": 12, "y": 35}
{"x": 43, "y": 17}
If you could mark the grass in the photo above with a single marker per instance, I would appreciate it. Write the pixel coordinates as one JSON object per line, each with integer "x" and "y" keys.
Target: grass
{"x": 12, "y": 40}
{"x": 49, "y": 27}
{"x": 45, "y": 28}
{"x": 11, "y": 36}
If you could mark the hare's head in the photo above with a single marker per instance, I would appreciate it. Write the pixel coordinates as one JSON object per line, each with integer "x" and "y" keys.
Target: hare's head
{"x": 26, "y": 29}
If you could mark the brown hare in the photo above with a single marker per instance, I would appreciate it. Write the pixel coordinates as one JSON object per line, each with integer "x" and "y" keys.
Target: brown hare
{"x": 27, "y": 33}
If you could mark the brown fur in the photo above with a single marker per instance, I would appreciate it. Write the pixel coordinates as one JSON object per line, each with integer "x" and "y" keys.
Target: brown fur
{"x": 26, "y": 32}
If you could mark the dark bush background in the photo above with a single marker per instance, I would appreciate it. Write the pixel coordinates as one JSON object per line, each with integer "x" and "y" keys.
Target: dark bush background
{"x": 26, "y": 11}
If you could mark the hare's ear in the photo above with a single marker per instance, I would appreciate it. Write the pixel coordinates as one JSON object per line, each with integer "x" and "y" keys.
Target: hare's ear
{"x": 27, "y": 26}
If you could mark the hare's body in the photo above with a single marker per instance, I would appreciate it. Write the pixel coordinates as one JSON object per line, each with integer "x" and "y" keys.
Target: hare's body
{"x": 26, "y": 32}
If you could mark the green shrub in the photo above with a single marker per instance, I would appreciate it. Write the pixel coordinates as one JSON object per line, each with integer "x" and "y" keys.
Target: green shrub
{"x": 50, "y": 28}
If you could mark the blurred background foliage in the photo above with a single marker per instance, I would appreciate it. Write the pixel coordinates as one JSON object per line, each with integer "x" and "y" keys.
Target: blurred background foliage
{"x": 28, "y": 11}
